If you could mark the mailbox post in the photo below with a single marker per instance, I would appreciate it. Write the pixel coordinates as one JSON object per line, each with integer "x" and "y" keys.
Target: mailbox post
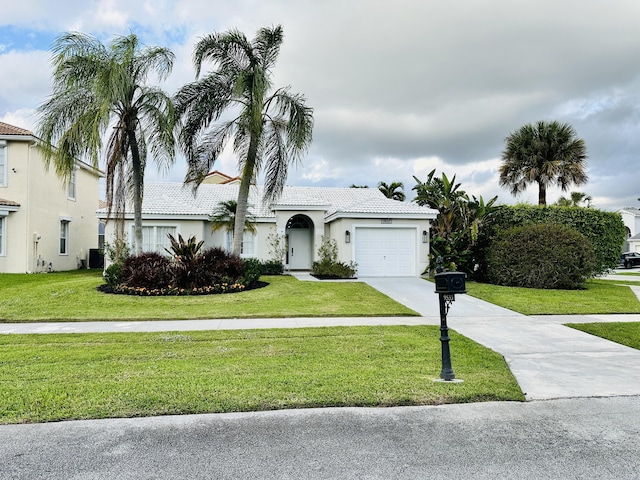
{"x": 448, "y": 284}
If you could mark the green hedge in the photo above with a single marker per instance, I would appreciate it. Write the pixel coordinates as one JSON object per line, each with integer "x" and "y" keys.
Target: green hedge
{"x": 604, "y": 230}
{"x": 540, "y": 255}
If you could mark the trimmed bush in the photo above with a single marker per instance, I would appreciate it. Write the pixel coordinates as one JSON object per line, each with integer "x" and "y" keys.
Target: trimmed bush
{"x": 541, "y": 256}
{"x": 272, "y": 267}
{"x": 112, "y": 274}
{"x": 252, "y": 271}
{"x": 214, "y": 266}
{"x": 604, "y": 230}
{"x": 147, "y": 270}
{"x": 328, "y": 269}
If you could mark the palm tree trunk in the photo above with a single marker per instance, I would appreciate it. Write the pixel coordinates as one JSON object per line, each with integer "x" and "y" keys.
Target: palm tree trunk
{"x": 137, "y": 191}
{"x": 247, "y": 177}
{"x": 243, "y": 197}
{"x": 542, "y": 194}
{"x": 241, "y": 212}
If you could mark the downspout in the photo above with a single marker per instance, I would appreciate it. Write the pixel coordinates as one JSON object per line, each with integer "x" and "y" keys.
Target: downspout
{"x": 29, "y": 237}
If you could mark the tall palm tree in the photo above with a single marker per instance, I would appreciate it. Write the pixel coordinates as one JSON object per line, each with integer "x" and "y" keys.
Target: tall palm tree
{"x": 546, "y": 153}
{"x": 98, "y": 89}
{"x": 394, "y": 191}
{"x": 270, "y": 129}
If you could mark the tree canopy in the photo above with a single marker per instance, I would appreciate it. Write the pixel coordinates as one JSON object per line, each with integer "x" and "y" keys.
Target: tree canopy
{"x": 269, "y": 129}
{"x": 99, "y": 89}
{"x": 546, "y": 153}
{"x": 394, "y": 190}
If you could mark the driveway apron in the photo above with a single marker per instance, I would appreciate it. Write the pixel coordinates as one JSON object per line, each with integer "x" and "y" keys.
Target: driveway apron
{"x": 548, "y": 359}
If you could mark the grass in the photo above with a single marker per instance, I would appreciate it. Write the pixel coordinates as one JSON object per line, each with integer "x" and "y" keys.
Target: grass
{"x": 623, "y": 332}
{"x": 72, "y": 296}
{"x": 599, "y": 297}
{"x": 86, "y": 376}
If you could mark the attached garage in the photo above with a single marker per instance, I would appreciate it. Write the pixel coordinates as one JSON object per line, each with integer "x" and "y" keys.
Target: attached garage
{"x": 386, "y": 251}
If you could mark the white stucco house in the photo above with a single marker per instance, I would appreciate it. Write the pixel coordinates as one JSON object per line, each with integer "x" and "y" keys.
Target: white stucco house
{"x": 384, "y": 237}
{"x": 631, "y": 219}
{"x": 44, "y": 224}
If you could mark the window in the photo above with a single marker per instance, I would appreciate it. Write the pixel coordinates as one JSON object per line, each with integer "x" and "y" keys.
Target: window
{"x": 71, "y": 186}
{"x": 3, "y": 163}
{"x": 247, "y": 248}
{"x": 2, "y": 235}
{"x": 64, "y": 237}
{"x": 156, "y": 238}
{"x": 101, "y": 236}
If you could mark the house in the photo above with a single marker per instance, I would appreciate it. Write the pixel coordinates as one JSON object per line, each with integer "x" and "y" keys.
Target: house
{"x": 219, "y": 178}
{"x": 384, "y": 237}
{"x": 631, "y": 219}
{"x": 44, "y": 224}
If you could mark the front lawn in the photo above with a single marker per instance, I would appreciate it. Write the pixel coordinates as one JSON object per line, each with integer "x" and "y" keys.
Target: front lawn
{"x": 600, "y": 297}
{"x": 71, "y": 296}
{"x": 625, "y": 333}
{"x": 82, "y": 376}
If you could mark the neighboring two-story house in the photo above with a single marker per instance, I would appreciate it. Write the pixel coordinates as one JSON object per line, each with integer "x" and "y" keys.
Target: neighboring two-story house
{"x": 45, "y": 224}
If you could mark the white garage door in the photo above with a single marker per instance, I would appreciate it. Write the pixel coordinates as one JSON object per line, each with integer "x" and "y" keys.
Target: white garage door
{"x": 385, "y": 252}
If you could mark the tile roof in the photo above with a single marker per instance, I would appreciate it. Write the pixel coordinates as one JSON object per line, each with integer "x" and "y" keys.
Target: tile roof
{"x": 632, "y": 210}
{"x": 6, "y": 129}
{"x": 179, "y": 200}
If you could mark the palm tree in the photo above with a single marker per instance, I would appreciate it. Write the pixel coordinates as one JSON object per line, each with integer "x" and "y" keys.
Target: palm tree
{"x": 224, "y": 216}
{"x": 546, "y": 153}
{"x": 455, "y": 232}
{"x": 98, "y": 89}
{"x": 575, "y": 199}
{"x": 270, "y": 130}
{"x": 393, "y": 191}
{"x": 445, "y": 196}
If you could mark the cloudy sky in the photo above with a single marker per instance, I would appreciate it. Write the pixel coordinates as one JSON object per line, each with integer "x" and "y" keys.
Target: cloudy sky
{"x": 398, "y": 88}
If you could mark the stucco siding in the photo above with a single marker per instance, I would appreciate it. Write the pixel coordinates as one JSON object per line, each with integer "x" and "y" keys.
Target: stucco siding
{"x": 33, "y": 232}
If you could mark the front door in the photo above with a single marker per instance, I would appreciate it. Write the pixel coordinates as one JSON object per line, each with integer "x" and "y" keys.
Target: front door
{"x": 299, "y": 249}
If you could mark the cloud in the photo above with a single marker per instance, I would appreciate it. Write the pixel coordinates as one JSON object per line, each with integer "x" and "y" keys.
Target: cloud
{"x": 398, "y": 88}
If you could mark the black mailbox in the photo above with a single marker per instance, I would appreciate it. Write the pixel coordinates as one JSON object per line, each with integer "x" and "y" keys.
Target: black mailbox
{"x": 450, "y": 282}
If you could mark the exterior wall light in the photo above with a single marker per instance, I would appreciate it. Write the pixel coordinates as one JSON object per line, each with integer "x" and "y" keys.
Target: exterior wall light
{"x": 347, "y": 236}
{"x": 425, "y": 237}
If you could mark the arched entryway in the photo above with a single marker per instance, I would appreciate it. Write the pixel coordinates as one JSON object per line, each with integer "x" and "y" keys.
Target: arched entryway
{"x": 299, "y": 242}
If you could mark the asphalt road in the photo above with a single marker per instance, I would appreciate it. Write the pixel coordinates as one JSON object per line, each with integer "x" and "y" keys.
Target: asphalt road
{"x": 582, "y": 438}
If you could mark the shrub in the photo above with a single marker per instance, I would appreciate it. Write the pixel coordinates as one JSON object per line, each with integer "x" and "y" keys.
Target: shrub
{"x": 605, "y": 231}
{"x": 184, "y": 251}
{"x": 328, "y": 265}
{"x": 541, "y": 256}
{"x": 252, "y": 271}
{"x": 189, "y": 271}
{"x": 272, "y": 267}
{"x": 215, "y": 266}
{"x": 112, "y": 274}
{"x": 147, "y": 270}
{"x": 326, "y": 269}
